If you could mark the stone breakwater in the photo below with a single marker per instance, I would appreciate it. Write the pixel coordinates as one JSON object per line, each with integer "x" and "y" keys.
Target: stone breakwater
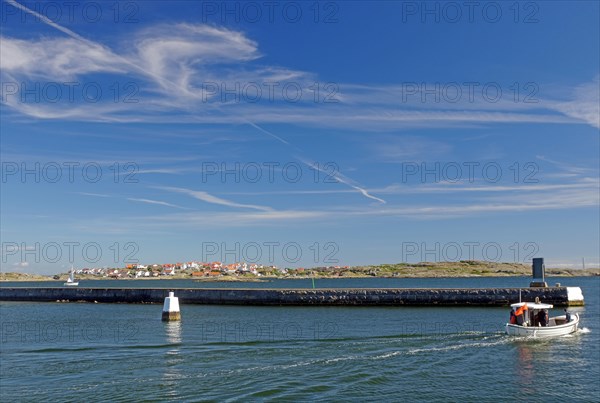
{"x": 559, "y": 296}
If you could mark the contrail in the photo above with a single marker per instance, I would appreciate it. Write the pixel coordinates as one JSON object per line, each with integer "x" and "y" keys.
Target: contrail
{"x": 257, "y": 127}
{"x": 343, "y": 179}
{"x": 338, "y": 176}
{"x": 51, "y": 23}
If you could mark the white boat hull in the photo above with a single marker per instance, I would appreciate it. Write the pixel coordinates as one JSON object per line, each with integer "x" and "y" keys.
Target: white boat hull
{"x": 71, "y": 284}
{"x": 552, "y": 330}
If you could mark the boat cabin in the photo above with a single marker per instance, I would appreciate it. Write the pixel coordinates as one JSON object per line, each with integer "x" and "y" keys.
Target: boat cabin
{"x": 532, "y": 314}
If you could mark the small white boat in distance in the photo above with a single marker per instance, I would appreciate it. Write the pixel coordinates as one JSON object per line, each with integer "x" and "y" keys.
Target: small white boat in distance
{"x": 531, "y": 319}
{"x": 71, "y": 280}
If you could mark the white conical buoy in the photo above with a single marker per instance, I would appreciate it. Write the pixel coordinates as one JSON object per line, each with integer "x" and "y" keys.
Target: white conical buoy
{"x": 171, "y": 308}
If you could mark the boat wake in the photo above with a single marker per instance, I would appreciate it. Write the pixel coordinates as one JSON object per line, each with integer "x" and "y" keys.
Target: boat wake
{"x": 484, "y": 343}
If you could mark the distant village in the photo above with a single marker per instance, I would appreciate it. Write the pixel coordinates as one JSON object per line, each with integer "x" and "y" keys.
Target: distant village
{"x": 199, "y": 270}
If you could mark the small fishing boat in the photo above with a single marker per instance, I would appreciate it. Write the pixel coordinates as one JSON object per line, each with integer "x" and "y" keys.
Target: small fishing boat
{"x": 531, "y": 319}
{"x": 71, "y": 280}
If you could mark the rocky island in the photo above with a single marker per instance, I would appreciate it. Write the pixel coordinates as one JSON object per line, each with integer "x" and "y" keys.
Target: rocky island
{"x": 463, "y": 268}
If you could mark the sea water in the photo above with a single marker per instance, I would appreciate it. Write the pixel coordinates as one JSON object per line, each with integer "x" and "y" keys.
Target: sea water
{"x": 124, "y": 352}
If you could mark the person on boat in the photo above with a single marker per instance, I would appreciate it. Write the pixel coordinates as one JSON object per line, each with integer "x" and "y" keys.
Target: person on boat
{"x": 542, "y": 317}
{"x": 513, "y": 317}
{"x": 520, "y": 314}
{"x": 567, "y": 316}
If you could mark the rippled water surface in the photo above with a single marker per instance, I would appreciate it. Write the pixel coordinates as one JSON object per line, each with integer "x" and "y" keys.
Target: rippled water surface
{"x": 122, "y": 352}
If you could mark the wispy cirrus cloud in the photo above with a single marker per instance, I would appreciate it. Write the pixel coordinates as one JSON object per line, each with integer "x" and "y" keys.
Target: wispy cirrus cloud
{"x": 179, "y": 222}
{"x": 208, "y": 198}
{"x": 584, "y": 105}
{"x": 64, "y": 58}
{"x": 394, "y": 149}
{"x": 442, "y": 187}
{"x": 174, "y": 63}
{"x": 567, "y": 167}
{"x": 178, "y": 55}
{"x": 495, "y": 200}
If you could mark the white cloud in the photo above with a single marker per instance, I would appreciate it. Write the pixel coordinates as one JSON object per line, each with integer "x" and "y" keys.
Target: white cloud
{"x": 398, "y": 148}
{"x": 459, "y": 187}
{"x": 173, "y": 61}
{"x": 64, "y": 59}
{"x": 208, "y": 198}
{"x": 178, "y": 53}
{"x": 585, "y": 105}
{"x": 529, "y": 199}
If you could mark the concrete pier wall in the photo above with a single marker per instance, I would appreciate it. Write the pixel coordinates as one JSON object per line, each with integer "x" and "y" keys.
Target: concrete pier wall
{"x": 559, "y": 296}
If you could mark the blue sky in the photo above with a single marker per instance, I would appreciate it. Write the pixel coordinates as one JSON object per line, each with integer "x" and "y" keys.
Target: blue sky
{"x": 369, "y": 132}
